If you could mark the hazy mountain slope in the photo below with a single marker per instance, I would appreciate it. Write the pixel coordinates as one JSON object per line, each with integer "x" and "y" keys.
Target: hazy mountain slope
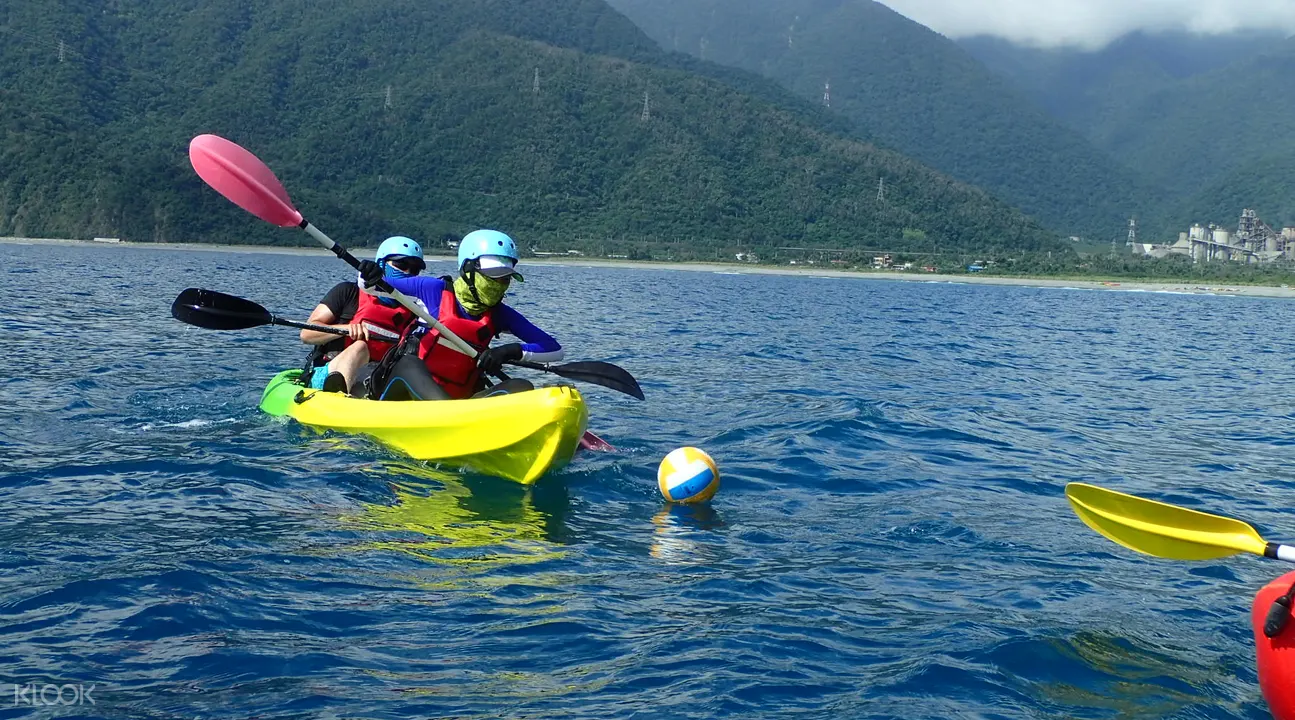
{"x": 1083, "y": 87}
{"x": 911, "y": 89}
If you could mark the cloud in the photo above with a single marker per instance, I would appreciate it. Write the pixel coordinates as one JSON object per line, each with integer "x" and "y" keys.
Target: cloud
{"x": 1093, "y": 23}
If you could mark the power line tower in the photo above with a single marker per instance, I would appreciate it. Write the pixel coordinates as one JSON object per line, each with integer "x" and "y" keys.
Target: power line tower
{"x": 535, "y": 86}
{"x": 1133, "y": 234}
{"x": 61, "y": 48}
{"x": 881, "y": 190}
{"x": 386, "y": 102}
{"x": 827, "y": 94}
{"x": 647, "y": 108}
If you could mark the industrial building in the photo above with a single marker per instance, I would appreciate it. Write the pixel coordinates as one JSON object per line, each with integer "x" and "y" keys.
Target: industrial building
{"x": 1253, "y": 242}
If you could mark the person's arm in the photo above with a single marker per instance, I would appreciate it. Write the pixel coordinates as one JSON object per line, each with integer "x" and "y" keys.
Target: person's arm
{"x": 537, "y": 345}
{"x": 426, "y": 290}
{"x": 337, "y": 307}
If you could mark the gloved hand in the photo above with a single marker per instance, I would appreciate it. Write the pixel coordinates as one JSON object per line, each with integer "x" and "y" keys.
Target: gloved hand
{"x": 370, "y": 273}
{"x": 493, "y": 358}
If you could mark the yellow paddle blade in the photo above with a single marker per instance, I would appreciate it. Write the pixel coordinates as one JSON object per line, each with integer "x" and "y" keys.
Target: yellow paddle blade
{"x": 1160, "y": 529}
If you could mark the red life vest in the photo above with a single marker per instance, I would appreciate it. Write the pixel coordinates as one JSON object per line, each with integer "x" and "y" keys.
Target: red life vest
{"x": 451, "y": 369}
{"x": 394, "y": 320}
{"x": 1275, "y": 656}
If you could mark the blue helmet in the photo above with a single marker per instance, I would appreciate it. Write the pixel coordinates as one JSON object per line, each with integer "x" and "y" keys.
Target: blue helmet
{"x": 490, "y": 251}
{"x": 399, "y": 246}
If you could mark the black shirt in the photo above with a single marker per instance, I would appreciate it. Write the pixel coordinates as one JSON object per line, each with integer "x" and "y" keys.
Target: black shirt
{"x": 343, "y": 300}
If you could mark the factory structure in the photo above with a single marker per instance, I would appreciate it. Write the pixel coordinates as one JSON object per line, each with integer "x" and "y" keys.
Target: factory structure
{"x": 1253, "y": 242}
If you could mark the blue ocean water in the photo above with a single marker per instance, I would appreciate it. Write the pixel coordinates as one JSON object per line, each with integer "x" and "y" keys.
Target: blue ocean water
{"x": 890, "y": 540}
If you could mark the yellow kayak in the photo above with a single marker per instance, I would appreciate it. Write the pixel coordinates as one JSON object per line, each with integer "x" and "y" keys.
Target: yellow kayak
{"x": 519, "y": 436}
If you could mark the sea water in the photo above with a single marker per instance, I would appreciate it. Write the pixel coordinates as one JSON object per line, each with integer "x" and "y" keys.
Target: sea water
{"x": 891, "y": 538}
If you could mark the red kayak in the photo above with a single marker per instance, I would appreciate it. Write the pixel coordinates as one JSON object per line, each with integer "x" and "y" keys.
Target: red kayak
{"x": 1274, "y": 626}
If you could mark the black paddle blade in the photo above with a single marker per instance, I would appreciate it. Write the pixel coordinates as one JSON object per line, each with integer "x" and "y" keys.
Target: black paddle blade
{"x": 593, "y": 371}
{"x": 218, "y": 311}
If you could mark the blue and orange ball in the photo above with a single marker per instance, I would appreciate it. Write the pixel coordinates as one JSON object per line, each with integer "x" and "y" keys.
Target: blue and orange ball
{"x": 688, "y": 475}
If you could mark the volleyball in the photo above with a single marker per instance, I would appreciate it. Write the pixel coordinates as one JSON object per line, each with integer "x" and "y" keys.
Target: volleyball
{"x": 688, "y": 475}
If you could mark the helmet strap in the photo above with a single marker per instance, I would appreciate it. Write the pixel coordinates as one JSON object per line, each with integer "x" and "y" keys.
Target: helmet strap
{"x": 469, "y": 271}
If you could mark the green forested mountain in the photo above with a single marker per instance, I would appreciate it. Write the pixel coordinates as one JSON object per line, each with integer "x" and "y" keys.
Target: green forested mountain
{"x": 1236, "y": 124}
{"x": 1264, "y": 185}
{"x": 1209, "y": 119}
{"x": 1082, "y": 86}
{"x": 913, "y": 90}
{"x": 434, "y": 116}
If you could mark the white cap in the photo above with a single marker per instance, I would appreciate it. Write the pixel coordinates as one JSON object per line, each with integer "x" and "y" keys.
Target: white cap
{"x": 498, "y": 266}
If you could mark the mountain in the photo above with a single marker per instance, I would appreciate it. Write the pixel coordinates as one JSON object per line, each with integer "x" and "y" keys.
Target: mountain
{"x": 1080, "y": 86}
{"x": 911, "y": 89}
{"x": 556, "y": 119}
{"x": 1192, "y": 132}
{"x": 1264, "y": 185}
{"x": 1209, "y": 120}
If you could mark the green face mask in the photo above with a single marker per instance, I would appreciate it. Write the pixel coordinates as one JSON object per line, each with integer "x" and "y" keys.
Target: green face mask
{"x": 489, "y": 290}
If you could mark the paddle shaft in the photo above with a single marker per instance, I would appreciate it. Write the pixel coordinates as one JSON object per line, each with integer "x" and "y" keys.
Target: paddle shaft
{"x": 1277, "y": 551}
{"x": 249, "y": 183}
{"x": 308, "y": 326}
{"x": 336, "y": 331}
{"x": 531, "y": 365}
{"x": 447, "y": 335}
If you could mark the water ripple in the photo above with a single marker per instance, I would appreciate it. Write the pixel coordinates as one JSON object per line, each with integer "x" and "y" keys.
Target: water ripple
{"x": 890, "y": 541}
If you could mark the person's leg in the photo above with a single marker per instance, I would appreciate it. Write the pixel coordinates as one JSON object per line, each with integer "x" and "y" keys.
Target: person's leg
{"x": 410, "y": 380}
{"x": 317, "y": 376}
{"x": 512, "y": 385}
{"x": 361, "y": 385}
{"x": 347, "y": 364}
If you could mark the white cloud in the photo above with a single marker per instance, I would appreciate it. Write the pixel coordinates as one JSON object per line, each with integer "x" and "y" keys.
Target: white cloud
{"x": 1093, "y": 23}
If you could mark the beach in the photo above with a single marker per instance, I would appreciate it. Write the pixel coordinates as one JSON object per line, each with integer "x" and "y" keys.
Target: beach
{"x": 1175, "y": 286}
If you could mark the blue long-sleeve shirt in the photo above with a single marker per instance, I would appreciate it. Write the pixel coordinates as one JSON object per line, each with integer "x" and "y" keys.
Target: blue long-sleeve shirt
{"x": 537, "y": 345}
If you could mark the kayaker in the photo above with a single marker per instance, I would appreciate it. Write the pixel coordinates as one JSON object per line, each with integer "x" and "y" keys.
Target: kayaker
{"x": 376, "y": 321}
{"x": 471, "y": 306}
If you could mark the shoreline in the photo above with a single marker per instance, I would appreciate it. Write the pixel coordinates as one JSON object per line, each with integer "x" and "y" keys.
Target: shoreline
{"x": 1113, "y": 285}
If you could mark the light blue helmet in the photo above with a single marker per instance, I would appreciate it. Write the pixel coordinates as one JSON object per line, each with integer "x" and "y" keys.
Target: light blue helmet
{"x": 490, "y": 251}
{"x": 401, "y": 246}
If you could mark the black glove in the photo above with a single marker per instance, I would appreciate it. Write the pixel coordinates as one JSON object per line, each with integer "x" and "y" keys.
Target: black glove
{"x": 371, "y": 273}
{"x": 493, "y": 358}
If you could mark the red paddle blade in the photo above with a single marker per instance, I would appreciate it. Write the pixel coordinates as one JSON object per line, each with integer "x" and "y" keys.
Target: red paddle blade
{"x": 242, "y": 178}
{"x": 592, "y": 442}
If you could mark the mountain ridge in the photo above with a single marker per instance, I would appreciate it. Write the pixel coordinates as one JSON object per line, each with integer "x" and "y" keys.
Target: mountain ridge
{"x": 375, "y": 133}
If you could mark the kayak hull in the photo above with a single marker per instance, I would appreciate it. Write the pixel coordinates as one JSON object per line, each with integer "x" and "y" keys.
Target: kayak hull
{"x": 1275, "y": 657}
{"x": 519, "y": 436}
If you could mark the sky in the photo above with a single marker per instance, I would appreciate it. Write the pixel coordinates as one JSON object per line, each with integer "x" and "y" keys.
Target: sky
{"x": 1091, "y": 24}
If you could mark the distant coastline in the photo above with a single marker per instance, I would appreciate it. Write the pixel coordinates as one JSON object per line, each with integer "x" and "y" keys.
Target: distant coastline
{"x": 1115, "y": 285}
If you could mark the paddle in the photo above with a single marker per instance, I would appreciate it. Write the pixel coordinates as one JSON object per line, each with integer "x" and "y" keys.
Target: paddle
{"x": 249, "y": 183}
{"x": 591, "y": 371}
{"x": 1165, "y": 530}
{"x": 218, "y": 311}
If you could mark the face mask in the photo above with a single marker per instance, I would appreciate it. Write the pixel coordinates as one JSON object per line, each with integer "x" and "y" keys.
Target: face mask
{"x": 393, "y": 272}
{"x": 489, "y": 291}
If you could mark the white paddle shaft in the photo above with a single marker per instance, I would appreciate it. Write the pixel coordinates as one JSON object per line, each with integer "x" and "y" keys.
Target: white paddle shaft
{"x": 451, "y": 339}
